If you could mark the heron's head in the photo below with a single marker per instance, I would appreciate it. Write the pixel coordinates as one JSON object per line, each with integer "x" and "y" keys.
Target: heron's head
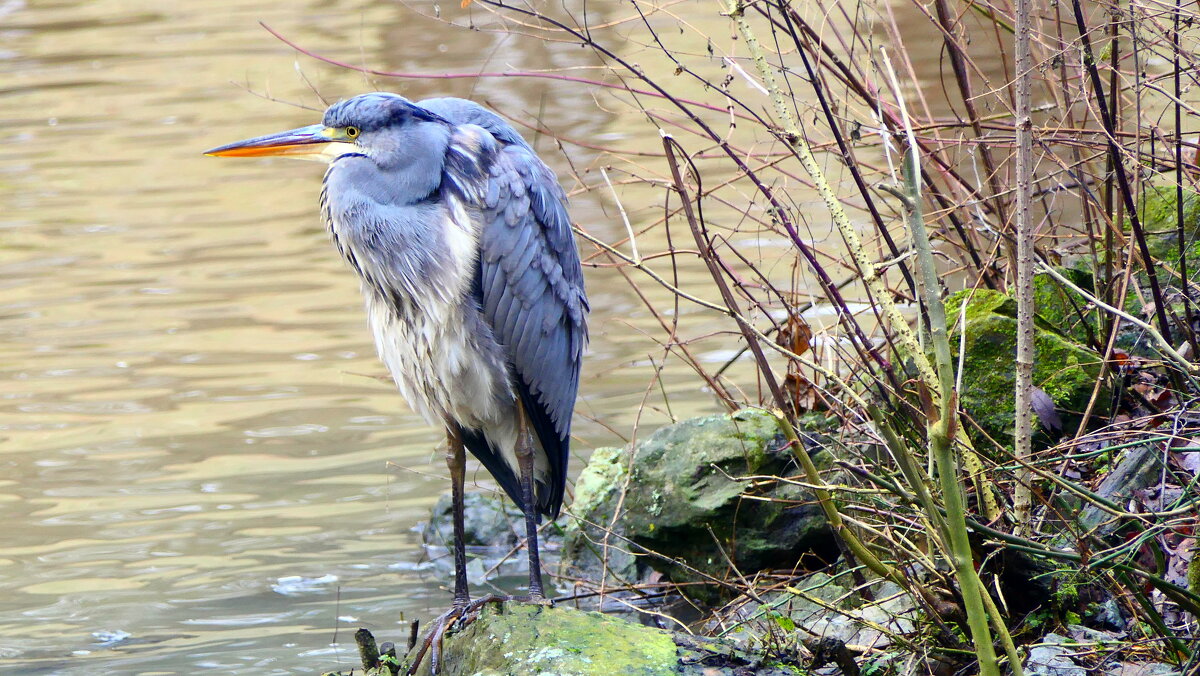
{"x": 385, "y": 127}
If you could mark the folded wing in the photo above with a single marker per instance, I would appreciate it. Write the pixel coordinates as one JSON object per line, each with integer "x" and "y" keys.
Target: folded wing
{"x": 529, "y": 284}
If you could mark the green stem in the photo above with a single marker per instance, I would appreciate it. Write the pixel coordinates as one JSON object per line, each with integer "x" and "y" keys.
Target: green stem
{"x": 856, "y": 546}
{"x": 941, "y": 434}
{"x": 960, "y": 550}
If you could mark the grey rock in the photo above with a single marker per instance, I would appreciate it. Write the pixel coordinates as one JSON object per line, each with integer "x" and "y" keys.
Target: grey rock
{"x": 1139, "y": 467}
{"x": 824, "y": 606}
{"x": 683, "y": 492}
{"x": 1052, "y": 658}
{"x": 1143, "y": 669}
{"x": 827, "y": 609}
{"x": 494, "y": 539}
{"x": 1107, "y": 613}
{"x": 1083, "y": 634}
{"x": 490, "y": 521}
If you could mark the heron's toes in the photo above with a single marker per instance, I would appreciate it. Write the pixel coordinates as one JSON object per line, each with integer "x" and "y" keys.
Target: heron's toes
{"x": 535, "y": 600}
{"x": 455, "y": 619}
{"x": 432, "y": 643}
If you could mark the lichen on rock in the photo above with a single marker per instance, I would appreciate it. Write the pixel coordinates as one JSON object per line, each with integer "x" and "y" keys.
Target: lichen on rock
{"x": 1063, "y": 369}
{"x": 686, "y": 493}
{"x": 517, "y": 638}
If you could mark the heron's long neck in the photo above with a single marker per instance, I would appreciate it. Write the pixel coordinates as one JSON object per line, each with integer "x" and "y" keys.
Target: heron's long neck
{"x": 413, "y": 257}
{"x": 411, "y": 161}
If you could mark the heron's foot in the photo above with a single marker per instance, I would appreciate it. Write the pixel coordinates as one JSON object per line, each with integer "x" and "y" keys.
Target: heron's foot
{"x": 456, "y": 618}
{"x": 533, "y": 600}
{"x": 528, "y": 600}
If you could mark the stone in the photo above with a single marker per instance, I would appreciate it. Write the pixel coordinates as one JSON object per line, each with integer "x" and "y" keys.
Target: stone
{"x": 1052, "y": 658}
{"x": 829, "y": 606}
{"x": 1063, "y": 369}
{"x": 494, "y": 535}
{"x": 1083, "y": 634}
{"x": 519, "y": 638}
{"x": 1139, "y": 467}
{"x": 490, "y": 520}
{"x": 1106, "y": 614}
{"x": 1143, "y": 669}
{"x": 686, "y": 492}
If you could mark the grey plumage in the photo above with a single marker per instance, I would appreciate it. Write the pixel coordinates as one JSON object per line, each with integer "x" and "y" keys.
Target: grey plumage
{"x": 460, "y": 238}
{"x": 472, "y": 280}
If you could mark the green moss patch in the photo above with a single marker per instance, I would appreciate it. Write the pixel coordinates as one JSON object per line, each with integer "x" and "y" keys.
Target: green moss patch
{"x": 1063, "y": 369}
{"x": 526, "y": 639}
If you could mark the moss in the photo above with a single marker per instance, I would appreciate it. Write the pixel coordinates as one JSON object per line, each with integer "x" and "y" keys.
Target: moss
{"x": 1193, "y": 573}
{"x": 526, "y": 639}
{"x": 1058, "y": 309}
{"x": 604, "y": 470}
{"x": 675, "y": 461}
{"x": 816, "y": 423}
{"x": 980, "y": 303}
{"x": 1157, "y": 210}
{"x": 1064, "y": 370}
{"x": 1062, "y": 310}
{"x": 681, "y": 494}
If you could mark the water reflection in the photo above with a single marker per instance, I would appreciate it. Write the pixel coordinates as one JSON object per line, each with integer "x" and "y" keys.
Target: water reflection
{"x": 200, "y": 468}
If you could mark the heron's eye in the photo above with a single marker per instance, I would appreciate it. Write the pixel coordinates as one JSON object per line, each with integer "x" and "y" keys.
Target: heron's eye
{"x": 352, "y": 132}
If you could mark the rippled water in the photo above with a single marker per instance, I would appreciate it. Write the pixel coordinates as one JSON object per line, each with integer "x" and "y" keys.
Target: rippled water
{"x": 198, "y": 469}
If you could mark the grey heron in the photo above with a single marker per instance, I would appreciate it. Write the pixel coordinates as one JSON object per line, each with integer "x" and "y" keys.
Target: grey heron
{"x": 461, "y": 241}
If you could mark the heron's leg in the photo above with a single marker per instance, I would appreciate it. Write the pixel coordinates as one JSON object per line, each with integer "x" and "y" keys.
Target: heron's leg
{"x": 456, "y": 460}
{"x": 525, "y": 463}
{"x": 457, "y": 616}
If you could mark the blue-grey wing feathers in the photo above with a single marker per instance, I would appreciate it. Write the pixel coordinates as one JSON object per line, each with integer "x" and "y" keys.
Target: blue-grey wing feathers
{"x": 462, "y": 111}
{"x": 529, "y": 283}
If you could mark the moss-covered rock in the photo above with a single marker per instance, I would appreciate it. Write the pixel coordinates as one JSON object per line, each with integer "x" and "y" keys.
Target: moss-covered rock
{"x": 1159, "y": 216}
{"x": 1064, "y": 370}
{"x": 686, "y": 492}
{"x": 586, "y": 552}
{"x": 1063, "y": 311}
{"x": 524, "y": 639}
{"x": 1157, "y": 210}
{"x": 518, "y": 638}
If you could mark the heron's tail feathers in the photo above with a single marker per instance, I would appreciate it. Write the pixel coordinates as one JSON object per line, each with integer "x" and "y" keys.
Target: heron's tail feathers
{"x": 493, "y": 460}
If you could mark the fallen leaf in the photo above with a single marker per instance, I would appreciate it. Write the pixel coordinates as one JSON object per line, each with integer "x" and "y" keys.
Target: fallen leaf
{"x": 795, "y": 335}
{"x": 1046, "y": 412}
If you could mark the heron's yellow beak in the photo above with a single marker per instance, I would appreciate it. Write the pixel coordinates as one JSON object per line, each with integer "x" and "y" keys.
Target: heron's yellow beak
{"x": 314, "y": 142}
